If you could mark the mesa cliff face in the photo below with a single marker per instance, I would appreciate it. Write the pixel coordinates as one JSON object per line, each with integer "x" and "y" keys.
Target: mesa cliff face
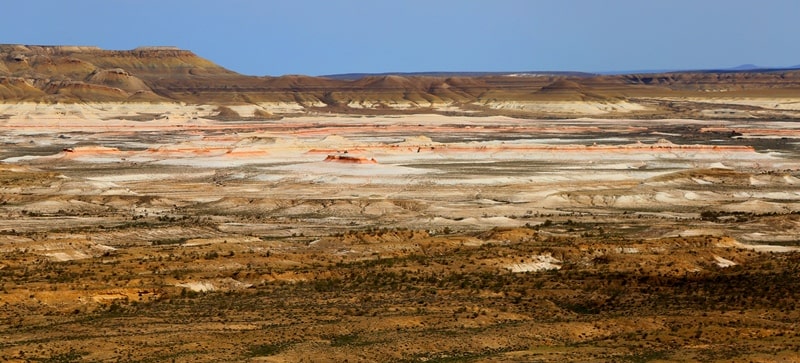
{"x": 167, "y": 74}
{"x": 90, "y": 74}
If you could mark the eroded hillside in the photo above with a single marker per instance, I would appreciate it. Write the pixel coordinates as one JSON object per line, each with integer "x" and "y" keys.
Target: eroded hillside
{"x": 163, "y": 74}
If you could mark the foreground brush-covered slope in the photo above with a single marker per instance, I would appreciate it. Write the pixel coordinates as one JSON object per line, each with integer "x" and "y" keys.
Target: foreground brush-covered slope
{"x": 398, "y": 238}
{"x": 165, "y": 74}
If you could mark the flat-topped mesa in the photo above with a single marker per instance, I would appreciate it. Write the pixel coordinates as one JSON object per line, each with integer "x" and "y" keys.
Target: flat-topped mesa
{"x": 159, "y": 52}
{"x": 69, "y": 49}
{"x": 91, "y": 74}
{"x": 155, "y": 47}
{"x": 160, "y": 60}
{"x": 47, "y": 49}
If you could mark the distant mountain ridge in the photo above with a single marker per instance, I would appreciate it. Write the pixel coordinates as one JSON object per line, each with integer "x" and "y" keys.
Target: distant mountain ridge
{"x": 739, "y": 68}
{"x": 355, "y": 76}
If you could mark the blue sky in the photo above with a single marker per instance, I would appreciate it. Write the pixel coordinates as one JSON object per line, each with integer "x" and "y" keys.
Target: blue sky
{"x": 328, "y": 37}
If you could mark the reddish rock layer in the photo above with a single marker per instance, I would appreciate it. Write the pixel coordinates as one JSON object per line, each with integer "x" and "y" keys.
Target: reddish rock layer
{"x": 350, "y": 159}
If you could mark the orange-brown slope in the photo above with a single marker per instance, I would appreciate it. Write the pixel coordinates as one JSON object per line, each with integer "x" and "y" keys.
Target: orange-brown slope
{"x": 56, "y": 73}
{"x": 19, "y": 89}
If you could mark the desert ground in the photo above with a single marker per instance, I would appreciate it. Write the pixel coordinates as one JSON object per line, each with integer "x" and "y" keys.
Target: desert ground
{"x": 157, "y": 232}
{"x": 157, "y": 207}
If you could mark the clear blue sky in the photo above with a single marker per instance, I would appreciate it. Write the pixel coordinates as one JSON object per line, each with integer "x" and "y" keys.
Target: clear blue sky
{"x": 275, "y": 37}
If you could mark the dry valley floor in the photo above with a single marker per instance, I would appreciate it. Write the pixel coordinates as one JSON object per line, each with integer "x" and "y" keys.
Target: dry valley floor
{"x": 405, "y": 238}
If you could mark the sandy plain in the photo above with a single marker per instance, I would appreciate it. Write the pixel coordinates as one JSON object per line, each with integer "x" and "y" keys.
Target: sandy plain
{"x": 154, "y": 232}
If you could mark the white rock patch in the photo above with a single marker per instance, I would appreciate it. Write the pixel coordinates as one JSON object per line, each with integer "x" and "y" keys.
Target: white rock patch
{"x": 724, "y": 262}
{"x": 539, "y": 263}
{"x": 201, "y": 286}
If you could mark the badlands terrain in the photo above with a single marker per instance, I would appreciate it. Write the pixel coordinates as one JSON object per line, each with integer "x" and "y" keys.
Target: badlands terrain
{"x": 157, "y": 207}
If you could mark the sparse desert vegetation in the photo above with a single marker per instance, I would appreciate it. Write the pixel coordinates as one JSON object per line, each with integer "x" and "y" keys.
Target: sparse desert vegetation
{"x": 357, "y": 226}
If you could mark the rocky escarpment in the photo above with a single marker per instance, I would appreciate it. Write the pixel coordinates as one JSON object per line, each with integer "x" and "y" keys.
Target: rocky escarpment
{"x": 168, "y": 74}
{"x": 90, "y": 74}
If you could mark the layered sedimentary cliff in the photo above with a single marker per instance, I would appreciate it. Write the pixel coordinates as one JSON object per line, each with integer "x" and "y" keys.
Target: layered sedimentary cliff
{"x": 167, "y": 74}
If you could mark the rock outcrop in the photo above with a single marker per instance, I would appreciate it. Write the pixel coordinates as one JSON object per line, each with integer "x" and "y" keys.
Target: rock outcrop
{"x": 347, "y": 159}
